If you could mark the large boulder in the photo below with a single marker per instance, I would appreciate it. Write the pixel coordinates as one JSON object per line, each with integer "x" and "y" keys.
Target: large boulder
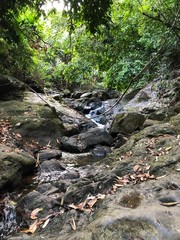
{"x": 14, "y": 165}
{"x": 126, "y": 123}
{"x": 84, "y": 141}
{"x": 34, "y": 122}
{"x": 10, "y": 87}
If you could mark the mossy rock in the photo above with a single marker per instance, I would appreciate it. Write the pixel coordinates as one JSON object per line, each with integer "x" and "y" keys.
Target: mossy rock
{"x": 126, "y": 123}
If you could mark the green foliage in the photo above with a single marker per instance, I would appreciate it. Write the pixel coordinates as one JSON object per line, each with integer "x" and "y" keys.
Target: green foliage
{"x": 60, "y": 48}
{"x": 93, "y": 13}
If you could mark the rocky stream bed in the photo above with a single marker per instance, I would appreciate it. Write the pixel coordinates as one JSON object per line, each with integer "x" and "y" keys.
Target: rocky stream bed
{"x": 64, "y": 176}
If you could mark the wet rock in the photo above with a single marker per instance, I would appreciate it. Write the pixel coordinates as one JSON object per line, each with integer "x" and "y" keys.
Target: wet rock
{"x": 14, "y": 165}
{"x": 48, "y": 154}
{"x": 126, "y": 123}
{"x": 8, "y": 219}
{"x": 99, "y": 151}
{"x": 84, "y": 141}
{"x": 77, "y": 94}
{"x": 53, "y": 170}
{"x": 35, "y": 200}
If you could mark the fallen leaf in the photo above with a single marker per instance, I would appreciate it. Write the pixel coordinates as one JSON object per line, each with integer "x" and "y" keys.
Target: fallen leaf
{"x": 46, "y": 223}
{"x": 136, "y": 168}
{"x": 73, "y": 224}
{"x": 80, "y": 206}
{"x": 37, "y": 161}
{"x": 147, "y": 167}
{"x": 168, "y": 148}
{"x": 35, "y": 212}
{"x": 18, "y": 124}
{"x": 169, "y": 204}
{"x": 101, "y": 196}
{"x": 32, "y": 228}
{"x": 161, "y": 176}
{"x": 92, "y": 202}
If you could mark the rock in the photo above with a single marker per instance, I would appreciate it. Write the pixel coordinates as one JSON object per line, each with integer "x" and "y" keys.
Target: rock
{"x": 99, "y": 151}
{"x": 71, "y": 129}
{"x": 53, "y": 170}
{"x": 77, "y": 94}
{"x": 120, "y": 140}
{"x": 33, "y": 122}
{"x": 35, "y": 200}
{"x": 100, "y": 94}
{"x": 10, "y": 88}
{"x": 126, "y": 123}
{"x": 175, "y": 122}
{"x": 14, "y": 164}
{"x": 143, "y": 96}
{"x": 52, "y": 165}
{"x": 129, "y": 96}
{"x": 47, "y": 189}
{"x": 158, "y": 115}
{"x": 66, "y": 93}
{"x": 162, "y": 114}
{"x": 86, "y": 95}
{"x": 48, "y": 154}
{"x": 84, "y": 141}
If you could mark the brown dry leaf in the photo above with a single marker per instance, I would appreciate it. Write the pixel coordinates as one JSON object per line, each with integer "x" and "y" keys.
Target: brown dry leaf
{"x": 35, "y": 212}
{"x": 73, "y": 224}
{"x": 147, "y": 167}
{"x": 168, "y": 148}
{"x": 18, "y": 135}
{"x": 32, "y": 228}
{"x": 101, "y": 196}
{"x": 73, "y": 206}
{"x": 136, "y": 168}
{"x": 79, "y": 206}
{"x": 161, "y": 176}
{"x": 92, "y": 202}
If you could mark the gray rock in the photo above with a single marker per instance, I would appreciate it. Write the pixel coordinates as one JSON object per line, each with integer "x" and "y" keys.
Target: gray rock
{"x": 126, "y": 123}
{"x": 84, "y": 141}
{"x": 14, "y": 164}
{"x": 10, "y": 88}
{"x": 48, "y": 154}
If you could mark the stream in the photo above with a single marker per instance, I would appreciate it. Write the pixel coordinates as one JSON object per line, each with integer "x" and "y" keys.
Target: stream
{"x": 10, "y": 220}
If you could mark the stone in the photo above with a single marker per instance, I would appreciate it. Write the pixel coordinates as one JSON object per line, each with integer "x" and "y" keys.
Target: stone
{"x": 84, "y": 141}
{"x": 14, "y": 164}
{"x": 48, "y": 154}
{"x": 126, "y": 123}
{"x": 36, "y": 122}
{"x": 10, "y": 88}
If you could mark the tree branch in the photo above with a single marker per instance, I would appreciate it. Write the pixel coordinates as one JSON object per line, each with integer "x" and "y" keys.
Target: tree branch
{"x": 158, "y": 18}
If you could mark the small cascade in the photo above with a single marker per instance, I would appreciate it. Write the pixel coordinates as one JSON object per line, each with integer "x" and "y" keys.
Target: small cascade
{"x": 103, "y": 120}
